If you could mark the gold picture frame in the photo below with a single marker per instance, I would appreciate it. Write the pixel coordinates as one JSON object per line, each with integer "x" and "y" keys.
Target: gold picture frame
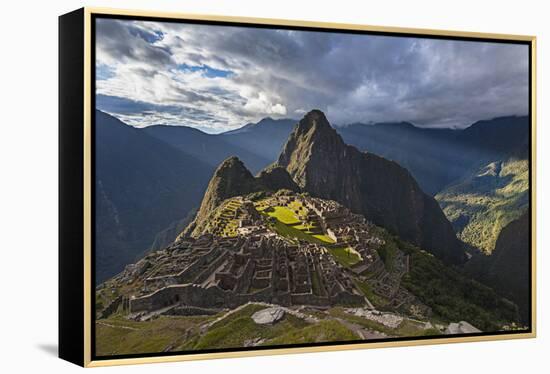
{"x": 76, "y": 287}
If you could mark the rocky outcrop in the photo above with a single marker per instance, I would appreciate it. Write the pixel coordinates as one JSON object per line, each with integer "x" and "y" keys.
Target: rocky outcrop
{"x": 276, "y": 178}
{"x": 320, "y": 163}
{"x": 268, "y": 316}
{"x": 461, "y": 327}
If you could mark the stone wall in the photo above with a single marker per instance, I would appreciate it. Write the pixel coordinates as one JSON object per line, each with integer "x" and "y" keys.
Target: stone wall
{"x": 347, "y": 298}
{"x": 261, "y": 282}
{"x": 308, "y": 299}
{"x": 188, "y": 275}
{"x": 187, "y": 294}
{"x": 191, "y": 311}
{"x": 112, "y": 307}
{"x": 263, "y": 296}
{"x": 244, "y": 280}
{"x": 210, "y": 269}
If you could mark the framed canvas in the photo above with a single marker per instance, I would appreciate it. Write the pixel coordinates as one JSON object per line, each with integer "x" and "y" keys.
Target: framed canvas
{"x": 235, "y": 186}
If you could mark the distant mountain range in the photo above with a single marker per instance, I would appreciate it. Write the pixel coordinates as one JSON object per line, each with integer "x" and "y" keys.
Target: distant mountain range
{"x": 211, "y": 149}
{"x": 257, "y": 145}
{"x": 435, "y": 157}
{"x": 264, "y": 138}
{"x": 439, "y": 157}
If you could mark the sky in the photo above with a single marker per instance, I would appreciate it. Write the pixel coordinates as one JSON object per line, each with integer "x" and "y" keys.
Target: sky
{"x": 218, "y": 78}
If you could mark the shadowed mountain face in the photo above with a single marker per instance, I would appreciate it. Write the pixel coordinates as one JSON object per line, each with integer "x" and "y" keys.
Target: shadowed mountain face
{"x": 509, "y": 264}
{"x": 385, "y": 193}
{"x": 142, "y": 186}
{"x": 507, "y": 268}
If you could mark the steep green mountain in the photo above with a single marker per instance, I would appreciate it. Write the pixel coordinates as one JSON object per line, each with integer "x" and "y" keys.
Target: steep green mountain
{"x": 142, "y": 186}
{"x": 231, "y": 179}
{"x": 507, "y": 268}
{"x": 438, "y": 157}
{"x": 211, "y": 149}
{"x": 385, "y": 193}
{"x": 480, "y": 205}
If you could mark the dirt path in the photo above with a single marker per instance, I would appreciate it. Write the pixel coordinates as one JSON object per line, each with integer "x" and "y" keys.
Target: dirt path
{"x": 117, "y": 326}
{"x": 360, "y": 331}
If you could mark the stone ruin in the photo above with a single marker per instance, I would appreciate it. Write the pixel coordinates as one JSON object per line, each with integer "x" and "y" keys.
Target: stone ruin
{"x": 211, "y": 272}
{"x": 228, "y": 272}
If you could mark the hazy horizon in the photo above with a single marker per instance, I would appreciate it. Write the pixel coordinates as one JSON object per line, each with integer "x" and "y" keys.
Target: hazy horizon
{"x": 298, "y": 119}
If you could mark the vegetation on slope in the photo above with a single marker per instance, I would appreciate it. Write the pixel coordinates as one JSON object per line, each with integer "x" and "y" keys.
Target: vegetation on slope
{"x": 346, "y": 256}
{"x": 452, "y": 295}
{"x": 235, "y": 330}
{"x": 291, "y": 222}
{"x": 117, "y": 336}
{"x": 481, "y": 205}
{"x": 324, "y": 331}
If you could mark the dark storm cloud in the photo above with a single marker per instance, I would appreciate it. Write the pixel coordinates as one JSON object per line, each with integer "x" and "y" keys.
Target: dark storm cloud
{"x": 126, "y": 42}
{"x": 353, "y": 78}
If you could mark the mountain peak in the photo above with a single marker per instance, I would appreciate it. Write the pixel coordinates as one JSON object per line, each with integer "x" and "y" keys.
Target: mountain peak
{"x": 313, "y": 135}
{"x": 315, "y": 119}
{"x": 230, "y": 179}
{"x": 232, "y": 163}
{"x": 265, "y": 120}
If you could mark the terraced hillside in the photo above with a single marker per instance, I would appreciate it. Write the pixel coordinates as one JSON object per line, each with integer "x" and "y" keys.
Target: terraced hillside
{"x": 295, "y": 221}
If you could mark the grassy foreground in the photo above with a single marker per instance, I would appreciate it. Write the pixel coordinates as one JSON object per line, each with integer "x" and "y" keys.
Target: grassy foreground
{"x": 117, "y": 335}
